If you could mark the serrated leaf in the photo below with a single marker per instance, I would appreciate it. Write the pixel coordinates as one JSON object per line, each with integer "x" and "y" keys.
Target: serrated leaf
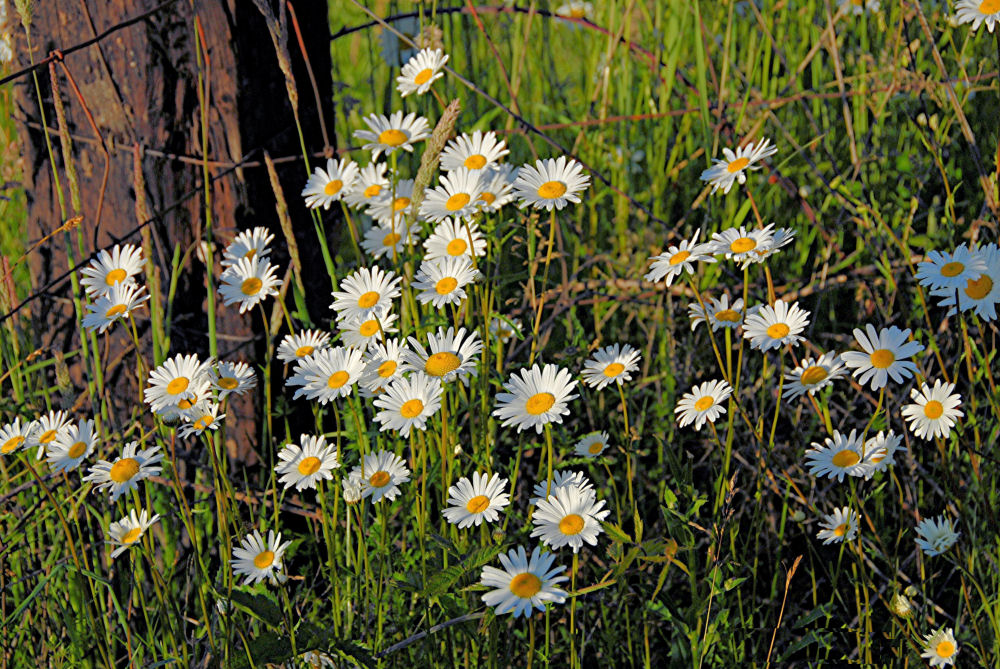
{"x": 444, "y": 580}
{"x": 258, "y": 605}
{"x": 617, "y": 534}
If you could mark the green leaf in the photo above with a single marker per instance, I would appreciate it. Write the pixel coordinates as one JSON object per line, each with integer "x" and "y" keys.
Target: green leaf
{"x": 31, "y": 597}
{"x": 444, "y": 580}
{"x": 258, "y": 605}
{"x": 617, "y": 534}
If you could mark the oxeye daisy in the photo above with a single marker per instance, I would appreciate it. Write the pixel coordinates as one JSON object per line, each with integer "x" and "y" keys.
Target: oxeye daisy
{"x": 552, "y": 182}
{"x": 249, "y": 282}
{"x": 455, "y": 197}
{"x": 370, "y": 185}
{"x": 182, "y": 377}
{"x": 472, "y": 502}
{"x": 724, "y": 173}
{"x": 504, "y": 328}
{"x": 703, "y": 403}
{"x": 538, "y": 397}
{"x": 940, "y": 648}
{"x": 454, "y": 238}
{"x": 408, "y": 403}
{"x": 365, "y": 294}
{"x": 394, "y": 205}
{"x": 360, "y": 334}
{"x": 303, "y": 465}
{"x": 885, "y": 356}
{"x": 422, "y": 70}
{"x": 387, "y": 134}
{"x": 477, "y": 151}
{"x": 562, "y": 479}
{"x": 812, "y": 374}
{"x": 126, "y": 532}
{"x": 232, "y": 378}
{"x": 450, "y": 354}
{"x": 839, "y": 456}
{"x": 524, "y": 584}
{"x": 204, "y": 416}
{"x": 718, "y": 313}
{"x": 569, "y": 517}
{"x": 978, "y": 12}
{"x": 327, "y": 374}
{"x": 740, "y": 244}
{"x": 50, "y": 427}
{"x": 389, "y": 240}
{"x": 16, "y": 435}
{"x": 592, "y": 445}
{"x": 951, "y": 271}
{"x": 858, "y": 7}
{"x": 443, "y": 281}
{"x": 779, "y": 238}
{"x": 125, "y": 473}
{"x": 498, "y": 188}
{"x": 296, "y": 346}
{"x": 678, "y": 259}
{"x": 257, "y": 559}
{"x": 72, "y": 447}
{"x": 117, "y": 303}
{"x": 380, "y": 475}
{"x": 881, "y": 450}
{"x": 248, "y": 244}
{"x": 576, "y": 9}
{"x": 934, "y": 410}
{"x": 982, "y": 294}
{"x": 611, "y": 364}
{"x": 936, "y": 535}
{"x": 383, "y": 363}
{"x": 777, "y": 325}
{"x": 324, "y": 187}
{"x": 107, "y": 269}
{"x": 839, "y": 526}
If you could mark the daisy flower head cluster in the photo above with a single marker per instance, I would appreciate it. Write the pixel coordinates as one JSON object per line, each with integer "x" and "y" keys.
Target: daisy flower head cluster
{"x": 733, "y": 168}
{"x": 968, "y": 277}
{"x": 109, "y": 283}
{"x": 193, "y": 392}
{"x": 748, "y": 246}
{"x": 249, "y": 277}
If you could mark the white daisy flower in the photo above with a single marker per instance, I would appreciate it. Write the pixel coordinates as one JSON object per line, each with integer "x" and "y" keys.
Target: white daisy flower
{"x": 249, "y": 282}
{"x": 387, "y": 134}
{"x": 370, "y": 185}
{"x": 719, "y": 313}
{"x": 538, "y": 397}
{"x": 524, "y": 584}
{"x": 324, "y": 187}
{"x": 72, "y": 447}
{"x": 592, "y": 445}
{"x": 17, "y": 435}
{"x": 777, "y": 325}
{"x": 940, "y": 648}
{"x": 779, "y": 238}
{"x": 365, "y": 294}
{"x": 389, "y": 240}
{"x": 951, "y": 271}
{"x": 982, "y": 294}
{"x": 450, "y": 354}
{"x": 117, "y": 303}
{"x": 472, "y": 502}
{"x": 302, "y": 345}
{"x": 569, "y": 517}
{"x": 477, "y": 151}
{"x": 839, "y": 526}
{"x": 562, "y": 479}
{"x": 383, "y": 363}
{"x": 881, "y": 450}
{"x": 361, "y": 334}
{"x": 978, "y": 12}
{"x": 125, "y": 473}
{"x": 934, "y": 410}
{"x": 455, "y": 197}
{"x": 126, "y": 532}
{"x": 232, "y": 378}
{"x": 182, "y": 377}
{"x": 380, "y": 474}
{"x": 498, "y": 188}
{"x": 422, "y": 70}
{"x": 327, "y": 374}
{"x": 248, "y": 244}
{"x": 443, "y": 281}
{"x": 724, "y": 173}
{"x": 553, "y": 182}
{"x": 812, "y": 374}
{"x": 107, "y": 269}
{"x": 202, "y": 417}
{"x": 303, "y": 466}
{"x": 50, "y": 426}
{"x": 504, "y": 328}
{"x": 394, "y": 206}
{"x": 936, "y": 535}
{"x": 575, "y": 9}
{"x": 678, "y": 259}
{"x": 885, "y": 356}
{"x": 258, "y": 560}
{"x": 741, "y": 245}
{"x": 839, "y": 456}
{"x": 611, "y": 364}
{"x": 858, "y": 7}
{"x": 453, "y": 238}
{"x": 703, "y": 403}
{"x": 408, "y": 403}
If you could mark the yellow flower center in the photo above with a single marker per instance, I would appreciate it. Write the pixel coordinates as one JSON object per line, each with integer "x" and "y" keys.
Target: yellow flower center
{"x": 251, "y": 286}
{"x": 387, "y": 369}
{"x": 477, "y": 504}
{"x": 178, "y": 385}
{"x": 47, "y": 437}
{"x": 840, "y": 530}
{"x": 989, "y": 7}
{"x": 338, "y": 379}
{"x": 309, "y": 466}
{"x": 704, "y": 403}
{"x": 379, "y": 479}
{"x": 400, "y": 203}
{"x": 77, "y": 449}
{"x": 12, "y": 444}
{"x": 778, "y": 331}
{"x": 411, "y": 408}
{"x": 204, "y": 422}
{"x": 457, "y": 201}
{"x": 392, "y": 137}
{"x": 456, "y": 247}
{"x": 185, "y": 404}
{"x": 391, "y": 239}
{"x": 368, "y": 300}
{"x": 264, "y": 560}
{"x": 303, "y": 351}
{"x": 577, "y": 13}
{"x": 571, "y": 524}
{"x": 550, "y": 190}
{"x": 727, "y": 315}
{"x": 476, "y": 161}
{"x": 525, "y": 585}
{"x": 933, "y": 409}
{"x": 488, "y": 198}
{"x": 115, "y": 311}
{"x": 952, "y": 269}
{"x": 845, "y": 458}
{"x": 539, "y": 403}
{"x": 132, "y": 535}
{"x": 423, "y": 76}
{"x": 743, "y": 245}
{"x": 813, "y": 375}
{"x": 979, "y": 288}
{"x": 124, "y": 470}
{"x": 882, "y": 358}
{"x": 333, "y": 187}
{"x": 596, "y": 447}
{"x": 228, "y": 383}
{"x": 446, "y": 285}
{"x": 114, "y": 276}
{"x": 368, "y": 328}
{"x": 442, "y": 363}
{"x": 679, "y": 257}
{"x": 372, "y": 191}
{"x": 947, "y": 648}
{"x": 614, "y": 369}
{"x": 737, "y": 165}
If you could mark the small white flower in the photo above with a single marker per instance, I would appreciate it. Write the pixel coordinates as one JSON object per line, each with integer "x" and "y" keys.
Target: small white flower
{"x": 324, "y": 187}
{"x": 472, "y": 502}
{"x": 678, "y": 259}
{"x": 839, "y": 526}
{"x": 422, "y": 70}
{"x": 936, "y": 535}
{"x": 934, "y": 410}
{"x": 303, "y": 466}
{"x": 724, "y": 173}
{"x": 703, "y": 403}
